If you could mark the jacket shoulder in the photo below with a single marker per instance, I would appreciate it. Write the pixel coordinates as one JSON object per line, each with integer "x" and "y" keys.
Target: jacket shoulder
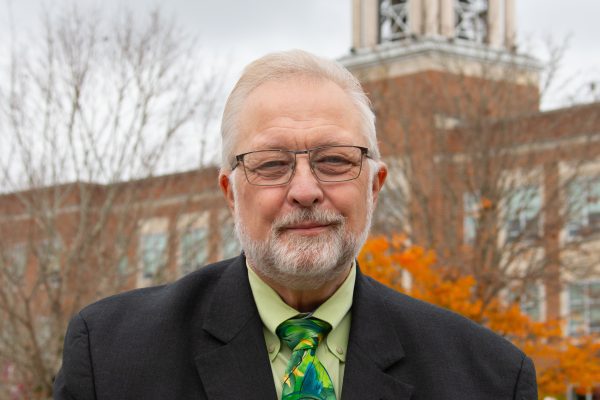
{"x": 183, "y": 296}
{"x": 463, "y": 358}
{"x": 446, "y": 330}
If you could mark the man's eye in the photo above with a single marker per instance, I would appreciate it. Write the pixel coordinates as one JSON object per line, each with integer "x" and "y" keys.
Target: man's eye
{"x": 271, "y": 169}
{"x": 272, "y": 165}
{"x": 333, "y": 160}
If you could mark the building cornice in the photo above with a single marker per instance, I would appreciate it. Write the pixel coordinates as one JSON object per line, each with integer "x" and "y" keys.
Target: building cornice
{"x": 398, "y": 51}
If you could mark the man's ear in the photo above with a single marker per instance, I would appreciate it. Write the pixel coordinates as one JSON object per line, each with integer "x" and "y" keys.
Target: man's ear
{"x": 379, "y": 180}
{"x": 226, "y": 186}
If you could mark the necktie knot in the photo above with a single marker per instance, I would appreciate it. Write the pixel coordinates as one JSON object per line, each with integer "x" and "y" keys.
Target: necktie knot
{"x": 302, "y": 333}
{"x": 305, "y": 377}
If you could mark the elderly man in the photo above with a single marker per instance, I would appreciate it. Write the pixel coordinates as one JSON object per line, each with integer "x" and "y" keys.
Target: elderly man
{"x": 292, "y": 317}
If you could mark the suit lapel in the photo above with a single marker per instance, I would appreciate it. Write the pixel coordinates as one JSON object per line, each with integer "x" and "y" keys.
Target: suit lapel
{"x": 373, "y": 347}
{"x": 236, "y": 366}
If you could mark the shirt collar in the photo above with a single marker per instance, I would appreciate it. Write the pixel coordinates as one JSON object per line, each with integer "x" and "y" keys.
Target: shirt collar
{"x": 273, "y": 311}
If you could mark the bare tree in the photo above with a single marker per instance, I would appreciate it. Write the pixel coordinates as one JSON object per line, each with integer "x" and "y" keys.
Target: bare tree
{"x": 90, "y": 111}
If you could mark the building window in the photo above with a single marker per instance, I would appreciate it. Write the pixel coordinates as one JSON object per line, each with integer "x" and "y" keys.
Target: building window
{"x": 123, "y": 266}
{"x": 471, "y": 205}
{"x": 153, "y": 253}
{"x": 390, "y": 216}
{"x": 471, "y": 20}
{"x": 193, "y": 249}
{"x": 48, "y": 253}
{"x": 584, "y": 308}
{"x": 583, "y": 205}
{"x": 14, "y": 261}
{"x": 393, "y": 20}
{"x": 529, "y": 298}
{"x": 531, "y": 301}
{"x": 523, "y": 214}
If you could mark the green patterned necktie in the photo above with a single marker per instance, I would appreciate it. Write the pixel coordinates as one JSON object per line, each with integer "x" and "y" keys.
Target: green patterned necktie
{"x": 305, "y": 377}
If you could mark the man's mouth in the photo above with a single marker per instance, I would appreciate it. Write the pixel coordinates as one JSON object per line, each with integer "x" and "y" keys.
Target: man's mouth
{"x": 307, "y": 223}
{"x": 307, "y": 228}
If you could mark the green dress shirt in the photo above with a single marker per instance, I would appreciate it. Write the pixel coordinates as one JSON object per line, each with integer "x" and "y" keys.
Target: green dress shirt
{"x": 336, "y": 311}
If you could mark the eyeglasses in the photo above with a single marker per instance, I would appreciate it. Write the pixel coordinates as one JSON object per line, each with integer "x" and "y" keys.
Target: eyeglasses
{"x": 327, "y": 163}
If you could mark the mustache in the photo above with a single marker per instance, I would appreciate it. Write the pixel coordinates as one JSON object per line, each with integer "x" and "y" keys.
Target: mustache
{"x": 312, "y": 215}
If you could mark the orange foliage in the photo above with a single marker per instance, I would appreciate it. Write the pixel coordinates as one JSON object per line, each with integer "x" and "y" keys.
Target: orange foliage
{"x": 560, "y": 360}
{"x": 486, "y": 203}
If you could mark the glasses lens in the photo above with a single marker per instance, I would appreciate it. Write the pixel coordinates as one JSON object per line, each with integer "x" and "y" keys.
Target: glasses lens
{"x": 336, "y": 163}
{"x": 268, "y": 167}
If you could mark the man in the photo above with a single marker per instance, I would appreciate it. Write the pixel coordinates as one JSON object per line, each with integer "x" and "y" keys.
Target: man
{"x": 292, "y": 317}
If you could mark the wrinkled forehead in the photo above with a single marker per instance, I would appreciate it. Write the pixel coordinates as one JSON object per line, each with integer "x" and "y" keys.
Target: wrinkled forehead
{"x": 299, "y": 112}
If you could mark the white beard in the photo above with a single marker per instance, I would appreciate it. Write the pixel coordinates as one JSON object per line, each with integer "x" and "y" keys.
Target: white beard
{"x": 304, "y": 262}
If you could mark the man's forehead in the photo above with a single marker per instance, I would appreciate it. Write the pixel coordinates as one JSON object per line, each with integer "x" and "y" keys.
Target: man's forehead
{"x": 292, "y": 93}
{"x": 290, "y": 112}
{"x": 291, "y": 142}
{"x": 293, "y": 134}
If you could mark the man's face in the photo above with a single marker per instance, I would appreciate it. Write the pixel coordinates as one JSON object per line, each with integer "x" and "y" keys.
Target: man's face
{"x": 306, "y": 232}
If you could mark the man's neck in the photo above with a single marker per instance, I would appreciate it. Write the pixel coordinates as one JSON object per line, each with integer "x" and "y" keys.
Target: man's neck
{"x": 305, "y": 300}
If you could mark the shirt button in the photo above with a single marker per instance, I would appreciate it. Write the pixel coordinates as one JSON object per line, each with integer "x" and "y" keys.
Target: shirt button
{"x": 271, "y": 348}
{"x": 339, "y": 350}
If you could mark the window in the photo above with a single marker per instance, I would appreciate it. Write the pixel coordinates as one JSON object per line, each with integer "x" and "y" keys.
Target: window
{"x": 193, "y": 249}
{"x": 48, "y": 253}
{"x": 153, "y": 253}
{"x": 523, "y": 214}
{"x": 123, "y": 265}
{"x": 121, "y": 255}
{"x": 390, "y": 215}
{"x": 193, "y": 235}
{"x": 583, "y": 207}
{"x": 531, "y": 302}
{"x": 471, "y": 202}
{"x": 530, "y": 298}
{"x": 153, "y": 250}
{"x": 15, "y": 260}
{"x": 394, "y": 24}
{"x": 471, "y": 20}
{"x": 584, "y": 308}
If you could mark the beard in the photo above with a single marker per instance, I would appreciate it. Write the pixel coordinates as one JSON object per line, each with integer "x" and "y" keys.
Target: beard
{"x": 301, "y": 262}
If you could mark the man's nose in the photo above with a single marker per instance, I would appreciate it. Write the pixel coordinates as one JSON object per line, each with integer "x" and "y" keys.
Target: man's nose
{"x": 304, "y": 188}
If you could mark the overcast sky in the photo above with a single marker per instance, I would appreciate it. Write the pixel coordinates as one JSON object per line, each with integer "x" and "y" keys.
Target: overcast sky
{"x": 243, "y": 30}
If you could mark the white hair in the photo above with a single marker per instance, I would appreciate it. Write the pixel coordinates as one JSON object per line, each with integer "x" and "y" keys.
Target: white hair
{"x": 284, "y": 65}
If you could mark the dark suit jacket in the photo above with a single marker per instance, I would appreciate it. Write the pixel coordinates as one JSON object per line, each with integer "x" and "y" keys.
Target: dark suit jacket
{"x": 201, "y": 338}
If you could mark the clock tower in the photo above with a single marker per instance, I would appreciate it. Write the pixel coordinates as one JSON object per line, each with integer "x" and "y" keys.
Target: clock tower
{"x": 452, "y": 40}
{"x": 489, "y": 22}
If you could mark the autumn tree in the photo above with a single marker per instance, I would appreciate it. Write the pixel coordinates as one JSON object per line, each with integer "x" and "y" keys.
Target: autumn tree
{"x": 91, "y": 108}
{"x": 560, "y": 360}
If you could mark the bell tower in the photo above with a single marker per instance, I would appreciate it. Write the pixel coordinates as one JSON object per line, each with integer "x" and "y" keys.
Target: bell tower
{"x": 489, "y": 22}
{"x": 408, "y": 36}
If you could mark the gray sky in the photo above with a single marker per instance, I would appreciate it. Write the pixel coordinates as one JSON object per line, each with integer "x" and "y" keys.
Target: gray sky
{"x": 243, "y": 30}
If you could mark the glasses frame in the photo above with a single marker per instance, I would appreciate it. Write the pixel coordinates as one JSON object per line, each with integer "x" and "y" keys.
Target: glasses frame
{"x": 239, "y": 159}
